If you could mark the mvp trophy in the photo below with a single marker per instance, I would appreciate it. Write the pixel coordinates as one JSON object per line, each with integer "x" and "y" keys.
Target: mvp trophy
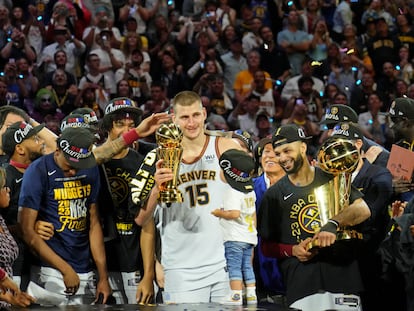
{"x": 339, "y": 157}
{"x": 169, "y": 137}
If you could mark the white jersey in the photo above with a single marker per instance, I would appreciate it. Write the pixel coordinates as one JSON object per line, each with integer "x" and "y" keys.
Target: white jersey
{"x": 242, "y": 229}
{"x": 191, "y": 237}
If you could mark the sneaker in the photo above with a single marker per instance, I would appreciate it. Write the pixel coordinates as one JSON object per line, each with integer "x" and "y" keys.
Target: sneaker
{"x": 234, "y": 300}
{"x": 251, "y": 300}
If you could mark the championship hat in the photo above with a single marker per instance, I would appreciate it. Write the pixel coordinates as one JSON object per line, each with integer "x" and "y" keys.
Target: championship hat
{"x": 258, "y": 151}
{"x": 121, "y": 106}
{"x": 288, "y": 133}
{"x": 16, "y": 133}
{"x": 402, "y": 107}
{"x": 238, "y": 168}
{"x": 88, "y": 114}
{"x": 347, "y": 130}
{"x": 74, "y": 120}
{"x": 339, "y": 113}
{"x": 76, "y": 144}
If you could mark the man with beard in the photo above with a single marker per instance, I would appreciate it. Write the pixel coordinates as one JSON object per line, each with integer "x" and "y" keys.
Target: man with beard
{"x": 22, "y": 143}
{"x": 289, "y": 223}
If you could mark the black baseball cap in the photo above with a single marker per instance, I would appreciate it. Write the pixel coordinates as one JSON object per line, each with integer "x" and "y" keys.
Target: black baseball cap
{"x": 288, "y": 133}
{"x": 245, "y": 137}
{"x": 347, "y": 130}
{"x": 402, "y": 107}
{"x": 88, "y": 114}
{"x": 74, "y": 120}
{"x": 238, "y": 168}
{"x": 76, "y": 144}
{"x": 16, "y": 133}
{"x": 258, "y": 151}
{"x": 339, "y": 113}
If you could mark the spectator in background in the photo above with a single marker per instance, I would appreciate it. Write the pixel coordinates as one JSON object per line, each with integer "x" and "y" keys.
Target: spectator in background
{"x": 220, "y": 101}
{"x": 158, "y": 101}
{"x": 172, "y": 75}
{"x": 34, "y": 29}
{"x": 226, "y": 15}
{"x": 133, "y": 41}
{"x": 139, "y": 13}
{"x": 234, "y": 62}
{"x": 210, "y": 68}
{"x": 320, "y": 41}
{"x": 361, "y": 92}
{"x": 64, "y": 94}
{"x": 273, "y": 59}
{"x": 295, "y": 42}
{"x": 225, "y": 39}
{"x": 374, "y": 122}
{"x": 405, "y": 34}
{"x": 60, "y": 59}
{"x": 65, "y": 41}
{"x": 341, "y": 18}
{"x": 244, "y": 116}
{"x": 291, "y": 87}
{"x": 243, "y": 84}
{"x": 102, "y": 21}
{"x": 252, "y": 39}
{"x": 270, "y": 102}
{"x": 111, "y": 59}
{"x": 383, "y": 47}
{"x": 311, "y": 15}
{"x": 45, "y": 105}
{"x": 17, "y": 46}
{"x": 346, "y": 76}
{"x": 386, "y": 84}
{"x": 404, "y": 66}
{"x": 102, "y": 84}
{"x": 322, "y": 69}
{"x": 139, "y": 80}
{"x": 308, "y": 97}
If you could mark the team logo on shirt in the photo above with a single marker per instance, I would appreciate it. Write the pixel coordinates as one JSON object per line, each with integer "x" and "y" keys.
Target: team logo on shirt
{"x": 309, "y": 219}
{"x": 305, "y": 218}
{"x": 72, "y": 205}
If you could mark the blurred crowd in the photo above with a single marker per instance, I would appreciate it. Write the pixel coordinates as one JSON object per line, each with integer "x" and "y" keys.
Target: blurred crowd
{"x": 256, "y": 64}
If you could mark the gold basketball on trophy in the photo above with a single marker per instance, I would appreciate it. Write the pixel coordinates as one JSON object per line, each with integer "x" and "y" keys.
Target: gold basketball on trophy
{"x": 340, "y": 157}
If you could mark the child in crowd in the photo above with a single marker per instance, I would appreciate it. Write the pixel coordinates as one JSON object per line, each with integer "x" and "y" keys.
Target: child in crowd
{"x": 238, "y": 220}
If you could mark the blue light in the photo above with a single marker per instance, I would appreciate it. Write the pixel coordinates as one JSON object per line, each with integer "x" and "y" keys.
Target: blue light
{"x": 358, "y": 82}
{"x": 278, "y": 82}
{"x": 354, "y": 68}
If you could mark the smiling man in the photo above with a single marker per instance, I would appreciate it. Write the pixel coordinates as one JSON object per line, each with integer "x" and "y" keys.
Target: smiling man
{"x": 287, "y": 221}
{"x": 191, "y": 238}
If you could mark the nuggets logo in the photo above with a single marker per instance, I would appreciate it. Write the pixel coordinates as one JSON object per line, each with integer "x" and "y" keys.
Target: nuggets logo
{"x": 309, "y": 219}
{"x": 334, "y": 110}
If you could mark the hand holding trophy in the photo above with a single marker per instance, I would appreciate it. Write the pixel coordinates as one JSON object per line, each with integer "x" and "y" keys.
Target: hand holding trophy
{"x": 169, "y": 137}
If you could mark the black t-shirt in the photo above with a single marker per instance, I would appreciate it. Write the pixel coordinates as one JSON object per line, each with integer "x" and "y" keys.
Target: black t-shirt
{"x": 289, "y": 214}
{"x": 123, "y": 252}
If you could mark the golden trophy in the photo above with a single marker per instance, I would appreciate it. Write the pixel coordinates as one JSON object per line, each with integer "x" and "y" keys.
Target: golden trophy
{"x": 337, "y": 156}
{"x": 169, "y": 137}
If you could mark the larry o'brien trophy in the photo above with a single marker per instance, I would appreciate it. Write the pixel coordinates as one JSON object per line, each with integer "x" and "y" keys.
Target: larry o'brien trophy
{"x": 169, "y": 137}
{"x": 337, "y": 156}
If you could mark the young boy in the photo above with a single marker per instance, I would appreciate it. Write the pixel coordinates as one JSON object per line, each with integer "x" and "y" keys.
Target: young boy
{"x": 238, "y": 220}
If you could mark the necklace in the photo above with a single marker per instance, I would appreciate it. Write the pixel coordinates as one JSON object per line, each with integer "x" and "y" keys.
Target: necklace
{"x": 58, "y": 101}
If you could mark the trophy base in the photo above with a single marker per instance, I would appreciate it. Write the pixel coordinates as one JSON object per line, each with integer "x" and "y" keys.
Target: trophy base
{"x": 170, "y": 196}
{"x": 344, "y": 234}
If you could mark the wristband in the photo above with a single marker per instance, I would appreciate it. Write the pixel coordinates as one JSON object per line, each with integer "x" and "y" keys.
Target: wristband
{"x": 130, "y": 136}
{"x": 330, "y": 226}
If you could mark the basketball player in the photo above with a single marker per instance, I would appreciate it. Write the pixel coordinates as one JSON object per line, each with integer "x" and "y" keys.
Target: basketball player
{"x": 287, "y": 222}
{"x": 191, "y": 237}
